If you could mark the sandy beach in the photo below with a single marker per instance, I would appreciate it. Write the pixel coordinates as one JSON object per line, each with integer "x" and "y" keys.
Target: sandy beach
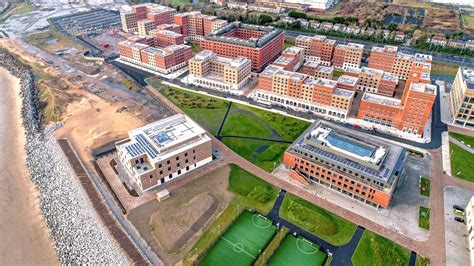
{"x": 24, "y": 237}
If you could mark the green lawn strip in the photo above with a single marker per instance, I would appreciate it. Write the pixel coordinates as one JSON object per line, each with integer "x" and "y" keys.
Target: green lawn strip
{"x": 259, "y": 199}
{"x": 288, "y": 44}
{"x": 206, "y": 111}
{"x": 461, "y": 163}
{"x": 271, "y": 247}
{"x": 425, "y": 186}
{"x": 337, "y": 73}
{"x": 328, "y": 261}
{"x": 296, "y": 251}
{"x": 379, "y": 251}
{"x": 421, "y": 261}
{"x": 424, "y": 218}
{"x": 239, "y": 124}
{"x": 317, "y": 221}
{"x": 264, "y": 154}
{"x": 442, "y": 68}
{"x": 466, "y": 139}
{"x": 249, "y": 231}
{"x": 288, "y": 128}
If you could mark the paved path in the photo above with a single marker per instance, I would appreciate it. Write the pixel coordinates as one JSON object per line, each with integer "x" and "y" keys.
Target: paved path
{"x": 461, "y": 145}
{"x": 223, "y": 120}
{"x": 433, "y": 248}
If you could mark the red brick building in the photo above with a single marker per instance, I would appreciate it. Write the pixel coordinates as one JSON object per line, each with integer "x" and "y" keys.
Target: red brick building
{"x": 261, "y": 44}
{"x": 195, "y": 25}
{"x": 347, "y": 161}
{"x": 162, "y": 60}
{"x": 165, "y": 38}
{"x": 154, "y": 12}
{"x": 318, "y": 48}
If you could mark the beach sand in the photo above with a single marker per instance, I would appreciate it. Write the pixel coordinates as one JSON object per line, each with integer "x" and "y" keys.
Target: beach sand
{"x": 24, "y": 237}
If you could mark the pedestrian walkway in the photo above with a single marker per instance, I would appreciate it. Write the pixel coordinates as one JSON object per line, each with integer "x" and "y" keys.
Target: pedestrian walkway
{"x": 446, "y": 152}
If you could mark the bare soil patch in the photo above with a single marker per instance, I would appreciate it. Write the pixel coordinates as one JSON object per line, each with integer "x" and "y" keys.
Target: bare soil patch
{"x": 163, "y": 224}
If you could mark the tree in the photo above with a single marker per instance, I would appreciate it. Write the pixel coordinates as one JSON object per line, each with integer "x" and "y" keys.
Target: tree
{"x": 392, "y": 27}
{"x": 295, "y": 14}
{"x": 264, "y": 19}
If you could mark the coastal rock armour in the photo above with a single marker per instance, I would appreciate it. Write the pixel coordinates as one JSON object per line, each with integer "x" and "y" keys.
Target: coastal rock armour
{"x": 78, "y": 236}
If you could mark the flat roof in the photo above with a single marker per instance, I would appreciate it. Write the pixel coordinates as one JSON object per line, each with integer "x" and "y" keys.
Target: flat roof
{"x": 371, "y": 97}
{"x": 423, "y": 87}
{"x": 350, "y": 149}
{"x": 270, "y": 34}
{"x": 161, "y": 137}
{"x": 343, "y": 93}
{"x": 347, "y": 80}
{"x": 467, "y": 75}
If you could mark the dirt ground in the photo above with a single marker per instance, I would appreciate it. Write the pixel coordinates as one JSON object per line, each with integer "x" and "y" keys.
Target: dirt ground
{"x": 168, "y": 226}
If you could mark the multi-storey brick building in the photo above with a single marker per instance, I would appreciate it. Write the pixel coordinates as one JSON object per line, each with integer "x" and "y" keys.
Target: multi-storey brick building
{"x": 348, "y": 82}
{"x": 350, "y": 162}
{"x": 347, "y": 55}
{"x": 291, "y": 58}
{"x": 165, "y": 38}
{"x": 303, "y": 93}
{"x": 164, "y": 150}
{"x": 209, "y": 70}
{"x": 374, "y": 80}
{"x": 154, "y": 12}
{"x": 397, "y": 63}
{"x": 317, "y": 70}
{"x": 408, "y": 114}
{"x": 462, "y": 98}
{"x": 162, "y": 60}
{"x": 195, "y": 25}
{"x": 148, "y": 40}
{"x": 145, "y": 26}
{"x": 171, "y": 27}
{"x": 261, "y": 44}
{"x": 317, "y": 48}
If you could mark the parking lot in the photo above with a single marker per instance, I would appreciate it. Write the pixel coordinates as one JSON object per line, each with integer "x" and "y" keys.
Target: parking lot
{"x": 84, "y": 23}
{"x": 457, "y": 246}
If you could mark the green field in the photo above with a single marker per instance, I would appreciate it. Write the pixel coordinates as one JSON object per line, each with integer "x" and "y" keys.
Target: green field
{"x": 288, "y": 44}
{"x": 424, "y": 218}
{"x": 468, "y": 140}
{"x": 206, "y": 111}
{"x": 337, "y": 73}
{"x": 442, "y": 68}
{"x": 469, "y": 20}
{"x": 425, "y": 186}
{"x": 461, "y": 163}
{"x": 250, "y": 193}
{"x": 316, "y": 220}
{"x": 297, "y": 251}
{"x": 264, "y": 154}
{"x": 242, "y": 242}
{"x": 262, "y": 124}
{"x": 379, "y": 251}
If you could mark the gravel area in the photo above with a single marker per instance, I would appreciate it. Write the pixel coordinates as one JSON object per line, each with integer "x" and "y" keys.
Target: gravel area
{"x": 78, "y": 235}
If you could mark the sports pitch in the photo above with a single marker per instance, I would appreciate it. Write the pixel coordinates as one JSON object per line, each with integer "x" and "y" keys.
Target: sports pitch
{"x": 297, "y": 251}
{"x": 242, "y": 242}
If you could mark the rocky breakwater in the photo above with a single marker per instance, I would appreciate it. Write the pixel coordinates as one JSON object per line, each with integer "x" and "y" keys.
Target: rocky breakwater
{"x": 78, "y": 235}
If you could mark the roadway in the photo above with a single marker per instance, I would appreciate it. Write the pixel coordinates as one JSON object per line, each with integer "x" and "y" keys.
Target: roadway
{"x": 437, "y": 126}
{"x": 443, "y": 57}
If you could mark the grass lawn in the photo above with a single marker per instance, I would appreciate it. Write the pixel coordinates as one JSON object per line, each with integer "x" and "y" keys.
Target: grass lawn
{"x": 240, "y": 124}
{"x": 468, "y": 140}
{"x": 206, "y": 111}
{"x": 250, "y": 192}
{"x": 421, "y": 261}
{"x": 195, "y": 47}
{"x": 271, "y": 247}
{"x": 251, "y": 232}
{"x": 424, "y": 218}
{"x": 337, "y": 73}
{"x": 41, "y": 39}
{"x": 180, "y": 2}
{"x": 297, "y": 251}
{"x": 461, "y": 163}
{"x": 425, "y": 186}
{"x": 469, "y": 20}
{"x": 288, "y": 44}
{"x": 288, "y": 128}
{"x": 264, "y": 154}
{"x": 379, "y": 251}
{"x": 441, "y": 68}
{"x": 316, "y": 220}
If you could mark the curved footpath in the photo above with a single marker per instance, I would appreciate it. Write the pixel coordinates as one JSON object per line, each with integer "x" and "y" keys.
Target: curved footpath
{"x": 77, "y": 234}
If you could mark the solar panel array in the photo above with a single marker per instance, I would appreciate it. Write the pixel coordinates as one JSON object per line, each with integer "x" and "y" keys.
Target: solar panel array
{"x": 383, "y": 173}
{"x": 142, "y": 146}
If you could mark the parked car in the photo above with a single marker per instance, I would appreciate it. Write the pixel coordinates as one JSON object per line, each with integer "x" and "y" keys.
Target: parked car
{"x": 458, "y": 212}
{"x": 458, "y": 219}
{"x": 459, "y": 208}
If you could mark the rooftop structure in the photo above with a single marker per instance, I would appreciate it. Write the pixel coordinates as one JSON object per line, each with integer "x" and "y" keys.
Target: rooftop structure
{"x": 147, "y": 11}
{"x": 462, "y": 98}
{"x": 361, "y": 167}
{"x": 163, "y": 150}
{"x": 209, "y": 70}
{"x": 261, "y": 44}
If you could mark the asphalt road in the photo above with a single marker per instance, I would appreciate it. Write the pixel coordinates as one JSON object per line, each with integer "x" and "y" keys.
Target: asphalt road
{"x": 437, "y": 126}
{"x": 448, "y": 58}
